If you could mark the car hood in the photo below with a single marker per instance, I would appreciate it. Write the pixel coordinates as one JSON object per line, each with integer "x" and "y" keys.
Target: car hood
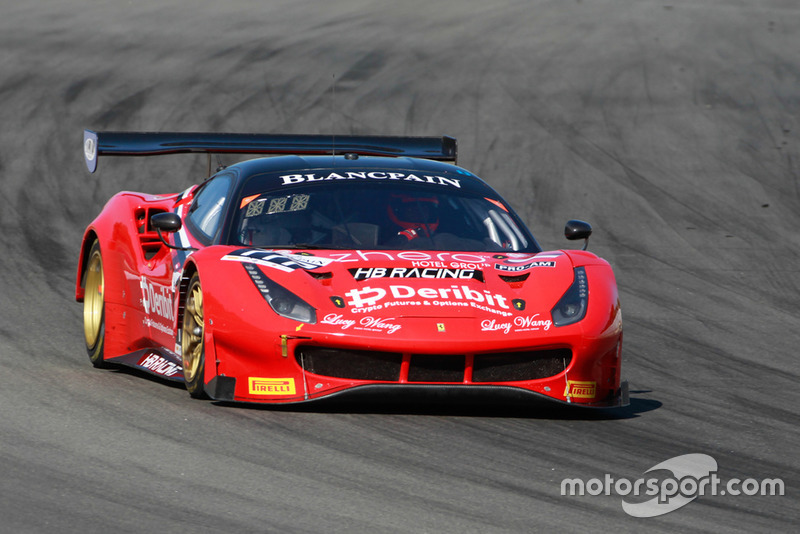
{"x": 346, "y": 285}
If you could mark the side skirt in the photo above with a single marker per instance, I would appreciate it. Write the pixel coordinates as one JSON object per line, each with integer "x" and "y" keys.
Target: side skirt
{"x": 158, "y": 362}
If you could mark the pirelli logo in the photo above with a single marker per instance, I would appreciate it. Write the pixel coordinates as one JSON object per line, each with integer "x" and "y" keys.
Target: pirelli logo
{"x": 580, "y": 390}
{"x": 271, "y": 386}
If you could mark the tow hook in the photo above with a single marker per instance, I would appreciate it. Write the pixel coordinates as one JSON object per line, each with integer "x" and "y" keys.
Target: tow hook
{"x": 285, "y": 343}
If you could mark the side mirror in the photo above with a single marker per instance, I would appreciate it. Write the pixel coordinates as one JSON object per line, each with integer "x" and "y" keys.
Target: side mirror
{"x": 167, "y": 222}
{"x": 576, "y": 229}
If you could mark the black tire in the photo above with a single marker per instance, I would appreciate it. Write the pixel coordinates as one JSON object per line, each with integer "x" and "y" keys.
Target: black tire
{"x": 193, "y": 354}
{"x": 94, "y": 317}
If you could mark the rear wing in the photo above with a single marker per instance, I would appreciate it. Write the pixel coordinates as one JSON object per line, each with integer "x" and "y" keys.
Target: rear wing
{"x": 96, "y": 144}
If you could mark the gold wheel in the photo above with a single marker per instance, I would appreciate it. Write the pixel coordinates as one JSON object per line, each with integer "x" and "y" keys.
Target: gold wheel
{"x": 192, "y": 346}
{"x": 93, "y": 306}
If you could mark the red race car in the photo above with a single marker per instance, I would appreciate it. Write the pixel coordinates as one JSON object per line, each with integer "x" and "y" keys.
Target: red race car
{"x": 341, "y": 264}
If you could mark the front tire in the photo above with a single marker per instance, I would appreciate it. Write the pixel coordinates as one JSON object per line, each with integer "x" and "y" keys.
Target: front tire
{"x": 193, "y": 340}
{"x": 94, "y": 321}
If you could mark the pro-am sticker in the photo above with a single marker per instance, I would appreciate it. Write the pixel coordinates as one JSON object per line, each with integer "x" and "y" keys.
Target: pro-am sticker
{"x": 524, "y": 266}
{"x": 283, "y": 261}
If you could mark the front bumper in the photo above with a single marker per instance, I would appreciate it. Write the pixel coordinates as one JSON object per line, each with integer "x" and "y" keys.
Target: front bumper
{"x": 222, "y": 389}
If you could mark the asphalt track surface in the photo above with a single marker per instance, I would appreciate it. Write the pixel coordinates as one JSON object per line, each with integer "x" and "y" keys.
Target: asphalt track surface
{"x": 671, "y": 125}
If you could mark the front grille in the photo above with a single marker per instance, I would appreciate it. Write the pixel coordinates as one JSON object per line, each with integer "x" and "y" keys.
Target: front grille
{"x": 388, "y": 366}
{"x": 512, "y": 366}
{"x": 352, "y": 364}
{"x": 436, "y": 368}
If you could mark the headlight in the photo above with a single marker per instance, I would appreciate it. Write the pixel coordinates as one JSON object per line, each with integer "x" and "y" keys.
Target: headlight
{"x": 572, "y": 306}
{"x": 281, "y": 300}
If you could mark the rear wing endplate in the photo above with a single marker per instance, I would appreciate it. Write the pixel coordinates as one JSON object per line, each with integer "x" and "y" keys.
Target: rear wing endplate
{"x": 96, "y": 144}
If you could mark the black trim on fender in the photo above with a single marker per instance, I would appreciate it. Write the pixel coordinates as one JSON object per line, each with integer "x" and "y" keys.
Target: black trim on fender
{"x": 221, "y": 388}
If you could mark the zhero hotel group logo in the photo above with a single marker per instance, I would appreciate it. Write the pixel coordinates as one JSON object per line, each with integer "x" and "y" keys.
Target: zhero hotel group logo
{"x": 693, "y": 476}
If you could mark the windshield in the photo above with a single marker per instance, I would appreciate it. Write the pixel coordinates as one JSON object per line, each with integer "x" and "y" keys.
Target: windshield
{"x": 391, "y": 216}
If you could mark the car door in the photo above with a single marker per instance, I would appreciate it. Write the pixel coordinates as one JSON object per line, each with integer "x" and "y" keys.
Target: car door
{"x": 161, "y": 274}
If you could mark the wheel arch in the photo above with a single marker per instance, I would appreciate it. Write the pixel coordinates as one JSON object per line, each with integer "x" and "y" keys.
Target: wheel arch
{"x": 189, "y": 269}
{"x": 86, "y": 246}
{"x": 209, "y": 360}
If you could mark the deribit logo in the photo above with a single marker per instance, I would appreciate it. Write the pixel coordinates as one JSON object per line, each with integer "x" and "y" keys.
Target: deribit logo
{"x": 693, "y": 475}
{"x": 156, "y": 299}
{"x": 369, "y": 296}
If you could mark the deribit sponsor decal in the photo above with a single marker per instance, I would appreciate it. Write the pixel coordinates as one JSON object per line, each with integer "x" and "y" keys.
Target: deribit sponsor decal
{"x": 290, "y": 179}
{"x": 284, "y": 261}
{"x": 367, "y": 299}
{"x": 373, "y": 324}
{"x": 580, "y": 390}
{"x": 157, "y": 299}
{"x": 270, "y": 386}
{"x": 159, "y": 365}
{"x": 155, "y": 325}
